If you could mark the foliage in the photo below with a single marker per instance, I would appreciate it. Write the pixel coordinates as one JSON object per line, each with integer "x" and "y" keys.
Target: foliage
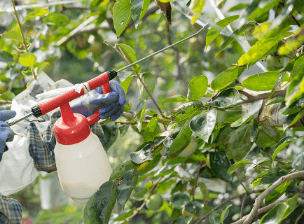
{"x": 247, "y": 139}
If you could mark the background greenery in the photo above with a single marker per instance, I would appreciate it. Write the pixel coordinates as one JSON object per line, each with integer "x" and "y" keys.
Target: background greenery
{"x": 241, "y": 148}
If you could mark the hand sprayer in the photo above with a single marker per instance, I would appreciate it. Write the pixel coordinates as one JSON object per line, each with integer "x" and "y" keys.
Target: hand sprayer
{"x": 81, "y": 161}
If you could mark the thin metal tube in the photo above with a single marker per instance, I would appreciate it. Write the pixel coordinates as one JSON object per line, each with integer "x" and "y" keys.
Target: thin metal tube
{"x": 20, "y": 119}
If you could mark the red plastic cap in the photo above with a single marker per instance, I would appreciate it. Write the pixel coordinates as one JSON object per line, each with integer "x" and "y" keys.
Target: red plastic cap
{"x": 72, "y": 132}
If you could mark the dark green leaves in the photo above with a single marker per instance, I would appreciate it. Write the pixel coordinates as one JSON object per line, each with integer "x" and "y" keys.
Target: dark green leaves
{"x": 226, "y": 98}
{"x": 179, "y": 200}
{"x": 273, "y": 175}
{"x": 121, "y": 15}
{"x": 298, "y": 163}
{"x": 139, "y": 10}
{"x": 280, "y": 211}
{"x": 259, "y": 7}
{"x": 220, "y": 165}
{"x": 128, "y": 183}
{"x": 122, "y": 168}
{"x": 261, "y": 81}
{"x": 237, "y": 165}
{"x": 104, "y": 201}
{"x": 89, "y": 215}
{"x": 176, "y": 98}
{"x": 6, "y": 57}
{"x": 203, "y": 124}
{"x": 295, "y": 90}
{"x": 142, "y": 155}
{"x": 282, "y": 144}
{"x": 110, "y": 134}
{"x": 239, "y": 143}
{"x": 219, "y": 26}
{"x": 183, "y": 220}
{"x": 197, "y": 87}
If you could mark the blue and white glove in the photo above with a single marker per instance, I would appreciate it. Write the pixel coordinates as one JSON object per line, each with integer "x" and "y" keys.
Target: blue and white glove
{"x": 6, "y": 134}
{"x": 112, "y": 104}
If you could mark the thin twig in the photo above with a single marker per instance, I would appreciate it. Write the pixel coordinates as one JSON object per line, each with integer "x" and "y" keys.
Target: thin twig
{"x": 261, "y": 109}
{"x": 144, "y": 203}
{"x": 243, "y": 205}
{"x": 142, "y": 82}
{"x": 5, "y": 102}
{"x": 22, "y": 35}
{"x": 161, "y": 142}
{"x": 261, "y": 197}
{"x": 262, "y": 96}
{"x": 197, "y": 177}
{"x": 226, "y": 201}
{"x": 249, "y": 97}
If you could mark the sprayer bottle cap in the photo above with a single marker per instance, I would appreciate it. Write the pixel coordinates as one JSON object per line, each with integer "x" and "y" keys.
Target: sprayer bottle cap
{"x": 71, "y": 128}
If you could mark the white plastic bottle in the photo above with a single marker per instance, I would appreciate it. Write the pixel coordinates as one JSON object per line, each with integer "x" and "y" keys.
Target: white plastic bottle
{"x": 82, "y": 163}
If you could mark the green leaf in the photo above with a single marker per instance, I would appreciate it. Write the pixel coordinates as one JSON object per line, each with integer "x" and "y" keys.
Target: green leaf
{"x": 268, "y": 136}
{"x": 295, "y": 90}
{"x": 89, "y": 215}
{"x": 196, "y": 6}
{"x": 215, "y": 31}
{"x": 215, "y": 217}
{"x": 8, "y": 96}
{"x": 181, "y": 140}
{"x": 203, "y": 124}
{"x": 151, "y": 130}
{"x": 110, "y": 134}
{"x": 138, "y": 10}
{"x": 261, "y": 47}
{"x": 27, "y": 59}
{"x": 298, "y": 163}
{"x": 258, "y": 8}
{"x": 121, "y": 15}
{"x": 296, "y": 215}
{"x": 238, "y": 7}
{"x": 176, "y": 98}
{"x": 220, "y": 165}
{"x": 150, "y": 82}
{"x": 225, "y": 214}
{"x": 179, "y": 200}
{"x": 125, "y": 215}
{"x": 204, "y": 191}
{"x": 262, "y": 81}
{"x": 237, "y": 165}
{"x": 239, "y": 143}
{"x": 282, "y": 144}
{"x": 55, "y": 17}
{"x": 129, "y": 53}
{"x": 125, "y": 84}
{"x": 124, "y": 190}
{"x": 293, "y": 118}
{"x": 280, "y": 211}
{"x": 226, "y": 98}
{"x": 41, "y": 66}
{"x": 254, "y": 131}
{"x": 273, "y": 175}
{"x": 226, "y": 77}
{"x": 13, "y": 35}
{"x": 6, "y": 57}
{"x": 122, "y": 168}
{"x": 165, "y": 185}
{"x": 277, "y": 193}
{"x": 35, "y": 13}
{"x": 197, "y": 87}
{"x": 183, "y": 220}
{"x": 233, "y": 36}
{"x": 143, "y": 154}
{"x": 104, "y": 201}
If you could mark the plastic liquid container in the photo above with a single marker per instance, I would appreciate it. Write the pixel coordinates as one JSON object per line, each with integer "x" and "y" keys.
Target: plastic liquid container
{"x": 82, "y": 168}
{"x": 82, "y": 163}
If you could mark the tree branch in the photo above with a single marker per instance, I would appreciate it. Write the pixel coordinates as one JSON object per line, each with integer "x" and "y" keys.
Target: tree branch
{"x": 5, "y": 102}
{"x": 265, "y": 209}
{"x": 226, "y": 201}
{"x": 22, "y": 35}
{"x": 261, "y": 197}
{"x": 262, "y": 96}
{"x": 197, "y": 177}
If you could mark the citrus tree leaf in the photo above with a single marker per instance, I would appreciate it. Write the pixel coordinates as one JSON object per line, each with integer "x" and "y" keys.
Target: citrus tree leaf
{"x": 226, "y": 77}
{"x": 55, "y": 17}
{"x": 237, "y": 165}
{"x": 36, "y": 12}
{"x": 262, "y": 81}
{"x": 220, "y": 165}
{"x": 104, "y": 201}
{"x": 196, "y": 6}
{"x": 226, "y": 98}
{"x": 150, "y": 81}
{"x": 282, "y": 144}
{"x": 27, "y": 59}
{"x": 13, "y": 35}
{"x": 122, "y": 168}
{"x": 176, "y": 98}
{"x": 89, "y": 214}
{"x": 219, "y": 26}
{"x": 197, "y": 87}
{"x": 298, "y": 163}
{"x": 179, "y": 200}
{"x": 138, "y": 10}
{"x": 295, "y": 90}
{"x": 6, "y": 57}
{"x": 121, "y": 15}
{"x": 183, "y": 220}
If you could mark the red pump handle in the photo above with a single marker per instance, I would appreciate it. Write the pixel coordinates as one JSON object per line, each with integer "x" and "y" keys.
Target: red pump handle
{"x": 101, "y": 80}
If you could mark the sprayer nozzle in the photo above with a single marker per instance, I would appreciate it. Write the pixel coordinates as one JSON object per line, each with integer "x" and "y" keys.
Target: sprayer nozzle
{"x": 112, "y": 74}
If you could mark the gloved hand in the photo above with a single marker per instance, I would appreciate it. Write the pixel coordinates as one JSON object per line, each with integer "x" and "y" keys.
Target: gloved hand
{"x": 6, "y": 134}
{"x": 112, "y": 104}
